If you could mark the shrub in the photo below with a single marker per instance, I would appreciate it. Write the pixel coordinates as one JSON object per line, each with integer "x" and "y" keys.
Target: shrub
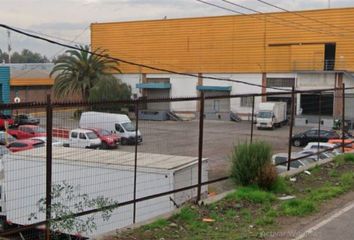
{"x": 267, "y": 176}
{"x": 249, "y": 162}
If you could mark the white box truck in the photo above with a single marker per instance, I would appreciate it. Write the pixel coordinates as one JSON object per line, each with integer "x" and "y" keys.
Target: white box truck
{"x": 113, "y": 122}
{"x": 99, "y": 173}
{"x": 271, "y": 115}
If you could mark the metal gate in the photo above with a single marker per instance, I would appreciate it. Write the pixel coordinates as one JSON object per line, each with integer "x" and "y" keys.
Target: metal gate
{"x": 158, "y": 93}
{"x": 216, "y": 105}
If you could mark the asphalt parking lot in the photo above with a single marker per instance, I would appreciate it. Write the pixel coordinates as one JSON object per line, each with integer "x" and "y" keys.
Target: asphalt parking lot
{"x": 181, "y": 138}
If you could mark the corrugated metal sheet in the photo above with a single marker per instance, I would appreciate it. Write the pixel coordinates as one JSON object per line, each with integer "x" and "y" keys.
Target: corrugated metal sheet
{"x": 230, "y": 44}
{"x": 31, "y": 82}
{"x": 110, "y": 159}
{"x": 5, "y": 84}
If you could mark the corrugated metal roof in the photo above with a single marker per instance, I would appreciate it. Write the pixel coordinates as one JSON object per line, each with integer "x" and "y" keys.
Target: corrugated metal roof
{"x": 106, "y": 158}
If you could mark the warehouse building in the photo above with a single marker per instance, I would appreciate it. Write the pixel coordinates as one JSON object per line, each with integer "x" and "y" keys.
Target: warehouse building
{"x": 308, "y": 50}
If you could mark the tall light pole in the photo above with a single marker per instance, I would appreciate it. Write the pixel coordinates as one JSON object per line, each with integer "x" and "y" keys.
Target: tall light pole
{"x": 9, "y": 44}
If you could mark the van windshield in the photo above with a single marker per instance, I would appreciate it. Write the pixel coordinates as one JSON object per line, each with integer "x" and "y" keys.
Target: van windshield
{"x": 129, "y": 126}
{"x": 264, "y": 115}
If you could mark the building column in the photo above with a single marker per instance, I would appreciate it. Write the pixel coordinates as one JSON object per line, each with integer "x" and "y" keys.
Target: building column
{"x": 143, "y": 80}
{"x": 264, "y": 86}
{"x": 199, "y": 83}
{"x": 338, "y": 98}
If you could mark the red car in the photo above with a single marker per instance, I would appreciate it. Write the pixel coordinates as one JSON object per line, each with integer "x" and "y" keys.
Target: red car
{"x": 109, "y": 140}
{"x": 5, "y": 118}
{"x": 25, "y": 144}
{"x": 27, "y": 131}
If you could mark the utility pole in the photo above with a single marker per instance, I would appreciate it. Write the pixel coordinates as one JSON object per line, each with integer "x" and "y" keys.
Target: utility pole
{"x": 9, "y": 44}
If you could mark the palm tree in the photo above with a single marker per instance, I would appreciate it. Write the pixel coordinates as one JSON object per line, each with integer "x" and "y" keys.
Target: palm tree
{"x": 79, "y": 71}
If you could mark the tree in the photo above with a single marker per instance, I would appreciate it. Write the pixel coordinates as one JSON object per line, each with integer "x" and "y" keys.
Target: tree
{"x": 4, "y": 57}
{"x": 27, "y": 56}
{"x": 67, "y": 201}
{"x": 80, "y": 71}
{"x": 110, "y": 89}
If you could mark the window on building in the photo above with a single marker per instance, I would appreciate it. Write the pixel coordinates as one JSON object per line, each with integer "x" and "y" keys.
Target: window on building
{"x": 280, "y": 82}
{"x": 246, "y": 101}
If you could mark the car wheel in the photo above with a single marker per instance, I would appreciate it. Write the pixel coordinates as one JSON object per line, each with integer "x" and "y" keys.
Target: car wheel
{"x": 124, "y": 141}
{"x": 104, "y": 145}
{"x": 297, "y": 143}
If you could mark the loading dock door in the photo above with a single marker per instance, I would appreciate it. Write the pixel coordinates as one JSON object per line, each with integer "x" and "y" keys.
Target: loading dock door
{"x": 349, "y": 106}
{"x": 158, "y": 93}
{"x": 216, "y": 105}
{"x": 310, "y": 104}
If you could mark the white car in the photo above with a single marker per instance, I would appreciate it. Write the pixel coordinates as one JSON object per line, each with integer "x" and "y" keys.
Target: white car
{"x": 323, "y": 146}
{"x": 83, "y": 138}
{"x": 55, "y": 142}
{"x": 280, "y": 160}
{"x": 314, "y": 154}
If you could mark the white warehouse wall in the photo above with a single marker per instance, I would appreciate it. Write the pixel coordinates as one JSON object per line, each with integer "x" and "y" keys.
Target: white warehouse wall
{"x": 181, "y": 86}
{"x": 132, "y": 80}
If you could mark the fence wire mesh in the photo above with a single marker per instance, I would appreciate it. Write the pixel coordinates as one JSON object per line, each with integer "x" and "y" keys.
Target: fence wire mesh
{"x": 113, "y": 164}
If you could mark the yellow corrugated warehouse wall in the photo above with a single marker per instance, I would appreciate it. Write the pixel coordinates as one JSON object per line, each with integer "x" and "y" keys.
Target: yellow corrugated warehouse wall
{"x": 275, "y": 42}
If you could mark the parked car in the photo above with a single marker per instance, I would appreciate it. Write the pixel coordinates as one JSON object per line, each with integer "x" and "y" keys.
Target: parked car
{"x": 315, "y": 155}
{"x": 3, "y": 150}
{"x": 349, "y": 144}
{"x": 115, "y": 123}
{"x": 27, "y": 131}
{"x": 26, "y": 119}
{"x": 280, "y": 160}
{"x": 302, "y": 139}
{"x": 83, "y": 138}
{"x": 55, "y": 142}
{"x": 24, "y": 144}
{"x": 6, "y": 138}
{"x": 323, "y": 146}
{"x": 5, "y": 118}
{"x": 108, "y": 139}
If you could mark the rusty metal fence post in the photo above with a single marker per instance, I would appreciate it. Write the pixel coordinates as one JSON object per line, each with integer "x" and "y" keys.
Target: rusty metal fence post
{"x": 135, "y": 157}
{"x": 200, "y": 146}
{"x": 291, "y": 125}
{"x": 343, "y": 115}
{"x": 252, "y": 119}
{"x": 49, "y": 125}
{"x": 319, "y": 124}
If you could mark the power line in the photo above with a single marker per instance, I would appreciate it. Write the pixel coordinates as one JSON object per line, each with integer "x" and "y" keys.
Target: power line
{"x": 130, "y": 62}
{"x": 55, "y": 54}
{"x": 218, "y": 6}
{"x": 301, "y": 15}
{"x": 281, "y": 19}
{"x": 50, "y": 36}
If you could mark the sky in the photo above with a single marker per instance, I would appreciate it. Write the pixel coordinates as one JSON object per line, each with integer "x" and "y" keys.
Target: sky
{"x": 69, "y": 20}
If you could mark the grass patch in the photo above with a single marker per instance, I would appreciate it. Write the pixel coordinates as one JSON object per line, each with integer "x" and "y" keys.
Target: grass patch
{"x": 252, "y": 194}
{"x": 187, "y": 214}
{"x": 326, "y": 192}
{"x": 348, "y": 157}
{"x": 298, "y": 207}
{"x": 281, "y": 185}
{"x": 160, "y": 223}
{"x": 347, "y": 180}
{"x": 333, "y": 173}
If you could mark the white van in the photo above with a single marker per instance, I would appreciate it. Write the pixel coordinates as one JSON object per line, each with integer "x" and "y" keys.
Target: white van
{"x": 115, "y": 123}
